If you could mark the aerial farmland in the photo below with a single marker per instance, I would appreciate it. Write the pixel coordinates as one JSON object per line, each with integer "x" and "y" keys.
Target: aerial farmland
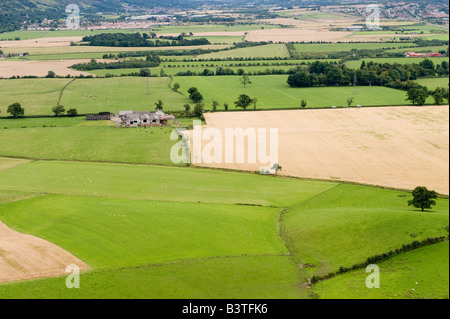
{"x": 350, "y": 131}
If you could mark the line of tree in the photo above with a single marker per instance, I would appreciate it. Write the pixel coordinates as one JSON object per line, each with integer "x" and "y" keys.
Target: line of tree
{"x": 138, "y": 40}
{"x": 381, "y": 74}
{"x": 126, "y": 64}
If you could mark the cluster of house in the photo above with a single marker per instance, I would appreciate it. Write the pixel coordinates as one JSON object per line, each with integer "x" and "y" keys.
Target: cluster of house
{"x": 134, "y": 118}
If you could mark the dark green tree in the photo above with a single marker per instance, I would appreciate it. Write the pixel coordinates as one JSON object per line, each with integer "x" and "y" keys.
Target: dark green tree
{"x": 423, "y": 198}
{"x": 243, "y": 101}
{"x": 58, "y": 110}
{"x": 16, "y": 110}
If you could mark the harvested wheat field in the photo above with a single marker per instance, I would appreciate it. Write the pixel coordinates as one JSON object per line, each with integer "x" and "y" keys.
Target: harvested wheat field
{"x": 26, "y": 257}
{"x": 41, "y": 42}
{"x": 398, "y": 147}
{"x": 40, "y": 68}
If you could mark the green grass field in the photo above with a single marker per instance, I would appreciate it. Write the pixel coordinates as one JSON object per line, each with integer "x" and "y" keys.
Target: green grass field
{"x": 418, "y": 274}
{"x": 433, "y": 83}
{"x": 336, "y": 47}
{"x": 36, "y": 96}
{"x": 273, "y": 92}
{"x": 85, "y": 142}
{"x": 115, "y": 233}
{"x": 223, "y": 278}
{"x": 141, "y": 182}
{"x": 357, "y": 63}
{"x": 263, "y": 51}
{"x": 163, "y": 237}
{"x": 347, "y": 224}
{"x": 89, "y": 95}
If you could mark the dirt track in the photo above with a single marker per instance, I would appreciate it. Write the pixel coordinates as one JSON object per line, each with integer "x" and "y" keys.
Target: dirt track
{"x": 400, "y": 147}
{"x": 26, "y": 257}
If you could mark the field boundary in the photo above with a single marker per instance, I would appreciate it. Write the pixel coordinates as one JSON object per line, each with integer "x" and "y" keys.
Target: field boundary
{"x": 33, "y": 159}
{"x": 62, "y": 91}
{"x": 415, "y": 245}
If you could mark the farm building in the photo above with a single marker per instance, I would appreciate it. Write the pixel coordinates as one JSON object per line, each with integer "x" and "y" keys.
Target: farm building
{"x": 102, "y": 116}
{"x": 143, "y": 118}
{"x": 423, "y": 55}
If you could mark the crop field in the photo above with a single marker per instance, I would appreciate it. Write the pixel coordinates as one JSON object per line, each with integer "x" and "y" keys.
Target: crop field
{"x": 273, "y": 92}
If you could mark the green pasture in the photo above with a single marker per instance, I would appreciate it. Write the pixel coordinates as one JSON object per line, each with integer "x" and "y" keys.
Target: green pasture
{"x": 433, "y": 83}
{"x": 39, "y": 96}
{"x": 347, "y": 224}
{"x": 356, "y": 64}
{"x": 145, "y": 182}
{"x": 85, "y": 142}
{"x": 262, "y": 51}
{"x": 273, "y": 92}
{"x": 261, "y": 277}
{"x": 114, "y": 233}
{"x": 337, "y": 47}
{"x": 418, "y": 274}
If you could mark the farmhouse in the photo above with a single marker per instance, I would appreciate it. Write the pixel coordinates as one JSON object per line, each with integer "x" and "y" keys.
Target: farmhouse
{"x": 143, "y": 118}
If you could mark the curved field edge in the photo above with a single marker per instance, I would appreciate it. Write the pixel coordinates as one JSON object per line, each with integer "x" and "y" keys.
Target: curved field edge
{"x": 112, "y": 233}
{"x": 418, "y": 274}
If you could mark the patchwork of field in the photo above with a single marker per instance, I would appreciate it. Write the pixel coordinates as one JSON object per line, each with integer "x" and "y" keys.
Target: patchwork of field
{"x": 111, "y": 201}
{"x": 157, "y": 237}
{"x": 399, "y": 147}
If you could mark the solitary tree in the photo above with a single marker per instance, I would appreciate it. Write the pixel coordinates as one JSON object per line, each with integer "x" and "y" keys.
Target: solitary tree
{"x": 72, "y": 112}
{"x": 243, "y": 101}
{"x": 187, "y": 107}
{"x": 423, "y": 198}
{"x": 16, "y": 110}
{"x": 254, "y": 101}
{"x": 198, "y": 110}
{"x": 176, "y": 86}
{"x": 215, "y": 105}
{"x": 417, "y": 95}
{"x": 245, "y": 80}
{"x": 50, "y": 74}
{"x": 58, "y": 110}
{"x": 350, "y": 101}
{"x": 225, "y": 105}
{"x": 159, "y": 105}
{"x": 145, "y": 72}
{"x": 303, "y": 103}
{"x": 196, "y": 97}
